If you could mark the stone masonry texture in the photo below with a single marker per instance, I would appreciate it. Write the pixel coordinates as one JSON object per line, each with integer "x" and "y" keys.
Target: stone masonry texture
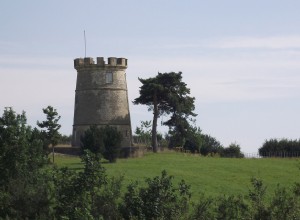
{"x": 101, "y": 97}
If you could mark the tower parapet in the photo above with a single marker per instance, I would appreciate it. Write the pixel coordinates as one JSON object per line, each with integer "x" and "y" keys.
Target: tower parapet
{"x": 89, "y": 62}
{"x": 101, "y": 97}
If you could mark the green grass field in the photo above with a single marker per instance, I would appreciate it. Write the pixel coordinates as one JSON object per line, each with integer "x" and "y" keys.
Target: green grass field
{"x": 213, "y": 176}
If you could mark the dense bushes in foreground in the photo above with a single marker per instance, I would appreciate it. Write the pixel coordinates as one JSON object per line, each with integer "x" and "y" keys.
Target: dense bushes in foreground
{"x": 31, "y": 188}
{"x": 90, "y": 194}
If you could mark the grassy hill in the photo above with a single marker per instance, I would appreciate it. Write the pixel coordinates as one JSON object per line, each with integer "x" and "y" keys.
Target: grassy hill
{"x": 213, "y": 176}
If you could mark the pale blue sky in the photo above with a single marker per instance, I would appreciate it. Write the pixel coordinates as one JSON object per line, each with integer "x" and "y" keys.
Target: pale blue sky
{"x": 241, "y": 59}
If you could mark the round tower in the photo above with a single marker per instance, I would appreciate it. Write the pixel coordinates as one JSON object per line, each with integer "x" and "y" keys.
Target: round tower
{"x": 101, "y": 97}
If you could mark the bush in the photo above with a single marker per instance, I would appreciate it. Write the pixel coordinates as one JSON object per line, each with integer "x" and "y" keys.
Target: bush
{"x": 158, "y": 200}
{"x": 31, "y": 190}
{"x": 285, "y": 204}
{"x": 231, "y": 207}
{"x": 204, "y": 209}
{"x": 233, "y": 150}
{"x": 112, "y": 143}
{"x": 25, "y": 192}
{"x": 210, "y": 145}
{"x": 102, "y": 140}
{"x": 88, "y": 194}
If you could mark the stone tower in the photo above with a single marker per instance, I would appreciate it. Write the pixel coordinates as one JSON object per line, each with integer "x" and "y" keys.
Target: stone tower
{"x": 101, "y": 97}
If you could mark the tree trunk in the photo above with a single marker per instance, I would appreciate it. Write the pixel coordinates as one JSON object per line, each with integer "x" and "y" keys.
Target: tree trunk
{"x": 154, "y": 124}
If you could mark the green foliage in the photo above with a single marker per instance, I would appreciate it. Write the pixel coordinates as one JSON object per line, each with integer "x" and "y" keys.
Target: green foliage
{"x": 143, "y": 133}
{"x": 285, "y": 204}
{"x": 20, "y": 150}
{"x": 51, "y": 127}
{"x": 30, "y": 197}
{"x": 203, "y": 209}
{"x": 31, "y": 190}
{"x": 93, "y": 140}
{"x": 102, "y": 140}
{"x": 64, "y": 139}
{"x": 233, "y": 150}
{"x": 24, "y": 189}
{"x": 112, "y": 143}
{"x": 179, "y": 129}
{"x": 280, "y": 148}
{"x": 209, "y": 145}
{"x": 167, "y": 94}
{"x": 231, "y": 207}
{"x": 158, "y": 200}
{"x": 197, "y": 142}
{"x": 257, "y": 198}
{"x": 88, "y": 194}
{"x": 193, "y": 141}
{"x": 222, "y": 207}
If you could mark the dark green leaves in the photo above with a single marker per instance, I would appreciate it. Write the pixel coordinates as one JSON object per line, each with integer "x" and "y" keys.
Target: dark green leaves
{"x": 167, "y": 94}
{"x": 102, "y": 140}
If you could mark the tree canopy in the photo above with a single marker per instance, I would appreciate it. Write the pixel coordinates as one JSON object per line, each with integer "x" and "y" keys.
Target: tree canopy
{"x": 167, "y": 94}
{"x": 104, "y": 141}
{"x": 51, "y": 125}
{"x": 30, "y": 189}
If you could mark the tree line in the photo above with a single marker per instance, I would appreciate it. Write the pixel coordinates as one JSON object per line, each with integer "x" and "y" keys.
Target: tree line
{"x": 194, "y": 142}
{"x": 31, "y": 187}
{"x": 280, "y": 148}
{"x": 167, "y": 95}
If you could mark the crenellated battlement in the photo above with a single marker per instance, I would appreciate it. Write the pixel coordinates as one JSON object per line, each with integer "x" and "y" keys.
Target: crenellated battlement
{"x": 101, "y": 97}
{"x": 89, "y": 62}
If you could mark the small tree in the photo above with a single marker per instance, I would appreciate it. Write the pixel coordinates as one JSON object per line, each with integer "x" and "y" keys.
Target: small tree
{"x": 93, "y": 140}
{"x": 233, "y": 150}
{"x": 210, "y": 145}
{"x": 144, "y": 132}
{"x": 112, "y": 143}
{"x": 51, "y": 125}
{"x": 194, "y": 140}
{"x": 105, "y": 141}
{"x": 20, "y": 149}
{"x": 257, "y": 196}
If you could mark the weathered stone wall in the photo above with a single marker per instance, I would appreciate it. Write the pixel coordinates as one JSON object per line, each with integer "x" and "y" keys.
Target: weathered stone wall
{"x": 99, "y": 101}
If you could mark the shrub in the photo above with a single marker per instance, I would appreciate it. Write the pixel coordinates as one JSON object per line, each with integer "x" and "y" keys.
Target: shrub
{"x": 88, "y": 194}
{"x": 257, "y": 195}
{"x": 285, "y": 204}
{"x": 158, "y": 200}
{"x": 233, "y": 150}
{"x": 102, "y": 140}
{"x": 112, "y": 143}
{"x": 210, "y": 145}
{"x": 204, "y": 209}
{"x": 231, "y": 207}
{"x": 25, "y": 190}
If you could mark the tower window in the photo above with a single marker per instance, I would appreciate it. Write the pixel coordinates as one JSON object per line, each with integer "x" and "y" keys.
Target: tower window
{"x": 109, "y": 77}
